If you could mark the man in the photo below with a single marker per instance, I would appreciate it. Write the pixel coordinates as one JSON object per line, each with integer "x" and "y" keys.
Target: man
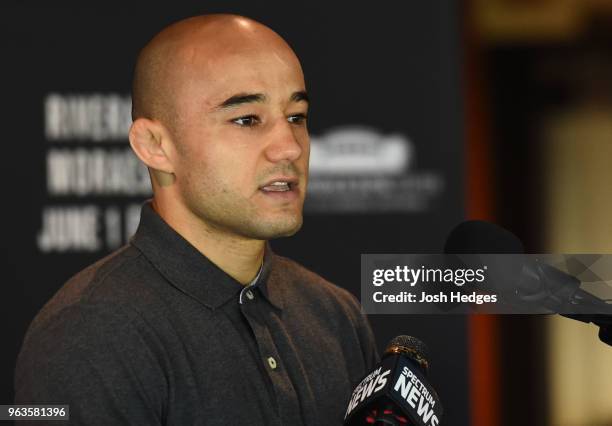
{"x": 196, "y": 321}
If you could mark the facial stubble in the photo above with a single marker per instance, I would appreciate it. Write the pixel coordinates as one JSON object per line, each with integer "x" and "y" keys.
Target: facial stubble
{"x": 223, "y": 209}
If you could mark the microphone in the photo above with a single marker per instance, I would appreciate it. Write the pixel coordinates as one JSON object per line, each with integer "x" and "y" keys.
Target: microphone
{"x": 479, "y": 237}
{"x": 396, "y": 392}
{"x": 537, "y": 282}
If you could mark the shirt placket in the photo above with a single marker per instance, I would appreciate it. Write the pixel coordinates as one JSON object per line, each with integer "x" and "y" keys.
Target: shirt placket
{"x": 253, "y": 308}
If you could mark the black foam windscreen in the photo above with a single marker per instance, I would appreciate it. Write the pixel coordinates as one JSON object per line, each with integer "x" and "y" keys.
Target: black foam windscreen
{"x": 505, "y": 273}
{"x": 477, "y": 236}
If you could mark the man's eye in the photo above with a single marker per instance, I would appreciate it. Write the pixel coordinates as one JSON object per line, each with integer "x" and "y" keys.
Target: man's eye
{"x": 297, "y": 119}
{"x": 246, "y": 121}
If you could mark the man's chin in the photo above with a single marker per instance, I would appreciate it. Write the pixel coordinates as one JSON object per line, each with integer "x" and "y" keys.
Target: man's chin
{"x": 268, "y": 230}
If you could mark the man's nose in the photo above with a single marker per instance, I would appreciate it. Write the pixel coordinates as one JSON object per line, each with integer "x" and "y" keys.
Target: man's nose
{"x": 284, "y": 143}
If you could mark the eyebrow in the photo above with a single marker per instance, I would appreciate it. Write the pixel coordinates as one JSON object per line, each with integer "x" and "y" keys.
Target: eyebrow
{"x": 246, "y": 98}
{"x": 300, "y": 96}
{"x": 241, "y": 98}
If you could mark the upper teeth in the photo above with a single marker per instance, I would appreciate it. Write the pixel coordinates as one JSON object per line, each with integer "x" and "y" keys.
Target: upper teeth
{"x": 278, "y": 186}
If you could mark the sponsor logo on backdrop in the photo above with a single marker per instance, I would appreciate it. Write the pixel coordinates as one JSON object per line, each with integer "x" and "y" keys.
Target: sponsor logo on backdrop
{"x": 358, "y": 169}
{"x": 95, "y": 184}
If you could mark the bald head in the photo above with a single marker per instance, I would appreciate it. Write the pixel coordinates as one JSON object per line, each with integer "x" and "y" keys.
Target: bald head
{"x": 220, "y": 119}
{"x": 187, "y": 50}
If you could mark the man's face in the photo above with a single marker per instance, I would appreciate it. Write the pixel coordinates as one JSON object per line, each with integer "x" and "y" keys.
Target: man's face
{"x": 242, "y": 142}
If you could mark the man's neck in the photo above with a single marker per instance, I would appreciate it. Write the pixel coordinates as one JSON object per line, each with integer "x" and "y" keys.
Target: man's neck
{"x": 240, "y": 258}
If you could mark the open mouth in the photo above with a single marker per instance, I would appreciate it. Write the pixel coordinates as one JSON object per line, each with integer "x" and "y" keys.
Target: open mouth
{"x": 281, "y": 188}
{"x": 278, "y": 186}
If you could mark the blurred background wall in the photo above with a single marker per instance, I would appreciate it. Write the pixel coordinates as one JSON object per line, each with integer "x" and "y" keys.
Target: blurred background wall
{"x": 424, "y": 113}
{"x": 386, "y": 143}
{"x": 546, "y": 69}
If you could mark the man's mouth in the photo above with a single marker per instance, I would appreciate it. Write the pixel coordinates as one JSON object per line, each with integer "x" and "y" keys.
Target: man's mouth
{"x": 281, "y": 186}
{"x": 277, "y": 186}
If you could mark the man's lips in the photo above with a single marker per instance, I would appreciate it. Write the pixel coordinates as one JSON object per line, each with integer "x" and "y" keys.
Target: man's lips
{"x": 280, "y": 184}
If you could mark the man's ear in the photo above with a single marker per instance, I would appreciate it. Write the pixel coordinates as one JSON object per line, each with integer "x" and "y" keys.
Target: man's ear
{"x": 151, "y": 142}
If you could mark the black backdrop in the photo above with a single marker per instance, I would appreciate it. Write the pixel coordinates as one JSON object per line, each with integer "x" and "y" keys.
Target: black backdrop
{"x": 391, "y": 67}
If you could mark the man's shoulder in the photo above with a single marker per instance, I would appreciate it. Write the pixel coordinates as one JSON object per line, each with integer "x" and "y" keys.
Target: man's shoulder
{"x": 84, "y": 332}
{"x": 108, "y": 282}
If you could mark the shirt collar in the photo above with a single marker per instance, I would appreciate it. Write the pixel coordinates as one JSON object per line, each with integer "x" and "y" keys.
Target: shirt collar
{"x": 189, "y": 270}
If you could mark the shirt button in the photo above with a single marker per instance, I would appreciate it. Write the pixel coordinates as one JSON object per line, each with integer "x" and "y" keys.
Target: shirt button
{"x": 250, "y": 294}
{"x": 272, "y": 363}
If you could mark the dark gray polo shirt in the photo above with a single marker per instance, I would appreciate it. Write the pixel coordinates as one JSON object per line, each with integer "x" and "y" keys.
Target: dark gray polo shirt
{"x": 157, "y": 334}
